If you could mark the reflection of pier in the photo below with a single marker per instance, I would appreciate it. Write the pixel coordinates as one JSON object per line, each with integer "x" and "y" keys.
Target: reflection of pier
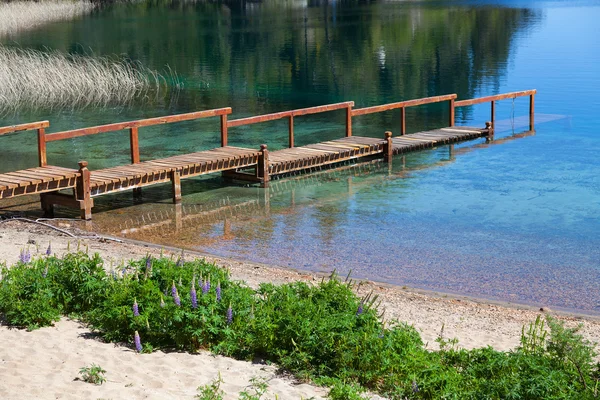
{"x": 181, "y": 216}
{"x": 185, "y": 217}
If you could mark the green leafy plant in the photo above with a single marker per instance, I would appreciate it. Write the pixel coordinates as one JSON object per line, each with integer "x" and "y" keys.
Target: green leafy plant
{"x": 93, "y": 374}
{"x": 258, "y": 388}
{"x": 211, "y": 391}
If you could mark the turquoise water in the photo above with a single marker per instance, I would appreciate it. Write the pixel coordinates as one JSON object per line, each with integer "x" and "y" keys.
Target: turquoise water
{"x": 516, "y": 220}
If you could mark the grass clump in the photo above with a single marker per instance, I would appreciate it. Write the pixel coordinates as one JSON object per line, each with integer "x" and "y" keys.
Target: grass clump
{"x": 50, "y": 80}
{"x": 18, "y": 16}
{"x": 323, "y": 332}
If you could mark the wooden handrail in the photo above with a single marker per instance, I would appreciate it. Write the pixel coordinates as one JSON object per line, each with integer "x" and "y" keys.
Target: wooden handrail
{"x": 497, "y": 97}
{"x": 294, "y": 113}
{"x": 286, "y": 114}
{"x": 51, "y": 137}
{"x": 493, "y": 99}
{"x": 402, "y": 104}
{"x": 24, "y": 127}
{"x": 40, "y": 126}
{"x": 133, "y": 127}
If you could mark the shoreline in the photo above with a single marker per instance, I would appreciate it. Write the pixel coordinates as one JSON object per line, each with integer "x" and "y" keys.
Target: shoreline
{"x": 559, "y": 311}
{"x": 54, "y": 355}
{"x": 496, "y": 323}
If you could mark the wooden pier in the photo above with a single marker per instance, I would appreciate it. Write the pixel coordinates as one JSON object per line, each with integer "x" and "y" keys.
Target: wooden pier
{"x": 255, "y": 165}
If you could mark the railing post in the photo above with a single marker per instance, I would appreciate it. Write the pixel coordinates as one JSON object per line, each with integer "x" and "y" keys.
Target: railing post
{"x": 349, "y": 121}
{"x": 223, "y": 130}
{"x": 135, "y": 145}
{"x": 531, "y": 111}
{"x": 451, "y": 108}
{"x": 493, "y": 114}
{"x": 388, "y": 147}
{"x": 402, "y": 121}
{"x": 262, "y": 169}
{"x": 83, "y": 191}
{"x": 42, "y": 147}
{"x": 291, "y": 131}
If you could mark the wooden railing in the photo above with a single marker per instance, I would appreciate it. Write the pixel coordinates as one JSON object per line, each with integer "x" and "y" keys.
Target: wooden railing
{"x": 41, "y": 130}
{"x": 295, "y": 113}
{"x": 498, "y": 97}
{"x": 133, "y": 130}
{"x": 402, "y": 105}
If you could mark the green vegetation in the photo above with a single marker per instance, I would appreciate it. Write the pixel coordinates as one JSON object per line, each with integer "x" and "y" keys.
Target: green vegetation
{"x": 93, "y": 374}
{"x": 211, "y": 391}
{"x": 324, "y": 333}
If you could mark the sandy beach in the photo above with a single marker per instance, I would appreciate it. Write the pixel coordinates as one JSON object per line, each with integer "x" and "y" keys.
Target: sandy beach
{"x": 45, "y": 363}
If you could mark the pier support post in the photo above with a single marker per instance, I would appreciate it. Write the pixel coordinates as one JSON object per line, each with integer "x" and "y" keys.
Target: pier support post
{"x": 176, "y": 183}
{"x": 83, "y": 192}
{"x": 47, "y": 206}
{"x": 388, "y": 147}
{"x": 490, "y": 129}
{"x": 262, "y": 169}
{"x": 531, "y": 111}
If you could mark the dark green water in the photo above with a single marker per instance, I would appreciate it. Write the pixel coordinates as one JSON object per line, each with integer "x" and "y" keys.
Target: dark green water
{"x": 516, "y": 220}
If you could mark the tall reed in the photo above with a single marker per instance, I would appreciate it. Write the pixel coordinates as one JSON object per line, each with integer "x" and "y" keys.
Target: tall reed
{"x": 51, "y": 80}
{"x": 17, "y": 16}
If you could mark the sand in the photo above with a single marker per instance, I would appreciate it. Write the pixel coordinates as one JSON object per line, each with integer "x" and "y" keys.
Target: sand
{"x": 45, "y": 363}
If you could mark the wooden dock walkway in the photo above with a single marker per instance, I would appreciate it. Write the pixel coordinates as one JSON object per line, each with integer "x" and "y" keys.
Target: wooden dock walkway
{"x": 256, "y": 165}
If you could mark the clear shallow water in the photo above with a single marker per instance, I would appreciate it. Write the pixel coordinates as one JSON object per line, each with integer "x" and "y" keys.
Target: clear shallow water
{"x": 517, "y": 220}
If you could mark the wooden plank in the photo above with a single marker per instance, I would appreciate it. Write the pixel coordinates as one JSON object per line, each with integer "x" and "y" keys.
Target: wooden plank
{"x": 20, "y": 175}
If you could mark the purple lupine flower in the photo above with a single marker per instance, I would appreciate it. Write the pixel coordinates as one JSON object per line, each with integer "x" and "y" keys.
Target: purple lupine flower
{"x": 138, "y": 342}
{"x": 229, "y": 315}
{"x": 175, "y": 295}
{"x": 360, "y": 309}
{"x": 136, "y": 311}
{"x": 49, "y": 249}
{"x": 148, "y": 271}
{"x": 193, "y": 295}
{"x": 415, "y": 387}
{"x": 218, "y": 290}
{"x": 25, "y": 256}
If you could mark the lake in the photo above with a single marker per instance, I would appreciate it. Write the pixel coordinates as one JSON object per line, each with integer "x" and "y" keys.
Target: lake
{"x": 515, "y": 220}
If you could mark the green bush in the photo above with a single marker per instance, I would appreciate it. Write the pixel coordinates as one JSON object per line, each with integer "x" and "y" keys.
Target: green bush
{"x": 322, "y": 332}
